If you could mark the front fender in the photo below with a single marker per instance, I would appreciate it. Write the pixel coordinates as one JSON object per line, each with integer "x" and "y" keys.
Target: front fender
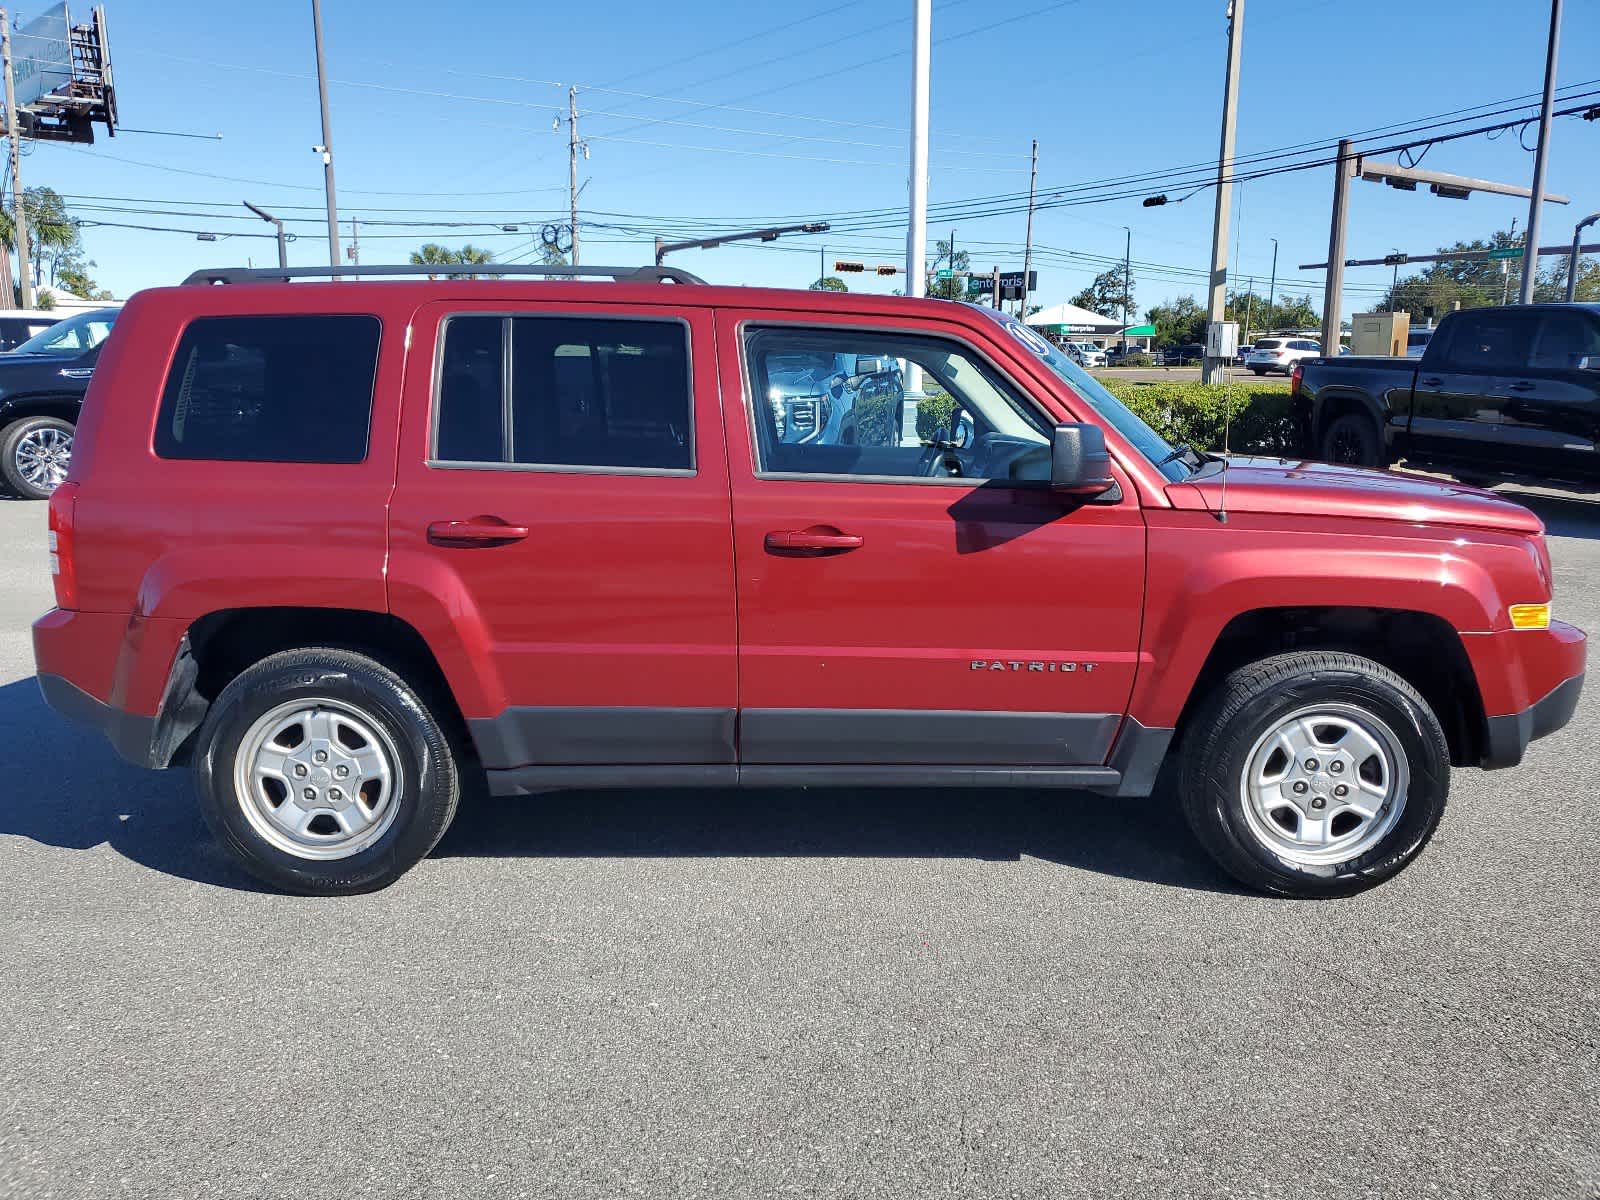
{"x": 1203, "y": 574}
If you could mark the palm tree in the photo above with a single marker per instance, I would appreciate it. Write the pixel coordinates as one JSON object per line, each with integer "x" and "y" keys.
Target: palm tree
{"x": 435, "y": 255}
{"x": 50, "y": 231}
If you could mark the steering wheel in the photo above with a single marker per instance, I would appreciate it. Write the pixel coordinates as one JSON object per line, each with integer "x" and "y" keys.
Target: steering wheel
{"x": 935, "y": 459}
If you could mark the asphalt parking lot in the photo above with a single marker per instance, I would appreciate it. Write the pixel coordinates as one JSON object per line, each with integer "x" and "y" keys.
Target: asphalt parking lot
{"x": 907, "y": 994}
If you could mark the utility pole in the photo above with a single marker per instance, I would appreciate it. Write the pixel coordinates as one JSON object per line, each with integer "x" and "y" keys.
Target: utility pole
{"x": 1530, "y": 257}
{"x": 1272, "y": 288}
{"x": 995, "y": 275}
{"x": 1127, "y": 272}
{"x": 14, "y": 130}
{"x": 355, "y": 245}
{"x": 1394, "y": 284}
{"x": 1333, "y": 296}
{"x": 283, "y": 250}
{"x": 917, "y": 233}
{"x": 1027, "y": 245}
{"x": 1216, "y": 309}
{"x": 822, "y": 263}
{"x": 572, "y": 164}
{"x": 326, "y": 148}
{"x": 952, "y": 263}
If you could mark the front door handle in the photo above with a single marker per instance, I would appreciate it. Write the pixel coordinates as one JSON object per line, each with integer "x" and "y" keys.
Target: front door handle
{"x": 475, "y": 531}
{"x": 815, "y": 542}
{"x": 1430, "y": 381}
{"x": 1521, "y": 385}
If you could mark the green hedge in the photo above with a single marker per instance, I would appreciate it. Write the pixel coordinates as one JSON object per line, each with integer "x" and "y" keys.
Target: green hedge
{"x": 1194, "y": 414}
{"x": 1184, "y": 413}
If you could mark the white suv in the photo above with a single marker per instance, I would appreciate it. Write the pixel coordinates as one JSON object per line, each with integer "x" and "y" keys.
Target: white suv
{"x": 1280, "y": 354}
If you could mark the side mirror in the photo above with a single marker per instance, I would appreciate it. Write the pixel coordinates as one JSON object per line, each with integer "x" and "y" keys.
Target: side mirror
{"x": 870, "y": 365}
{"x": 1079, "y": 462}
{"x": 1589, "y": 362}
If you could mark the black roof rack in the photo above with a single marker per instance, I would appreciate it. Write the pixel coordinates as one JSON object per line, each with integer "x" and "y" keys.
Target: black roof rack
{"x": 284, "y": 274}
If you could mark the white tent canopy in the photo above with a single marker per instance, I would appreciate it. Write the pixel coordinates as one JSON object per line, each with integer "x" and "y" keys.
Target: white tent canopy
{"x": 1074, "y": 320}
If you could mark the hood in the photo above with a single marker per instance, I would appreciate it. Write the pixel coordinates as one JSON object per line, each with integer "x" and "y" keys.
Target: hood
{"x": 1311, "y": 489}
{"x": 11, "y": 356}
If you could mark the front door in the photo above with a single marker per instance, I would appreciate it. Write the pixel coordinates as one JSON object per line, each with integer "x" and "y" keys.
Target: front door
{"x": 910, "y": 590}
{"x": 560, "y": 534}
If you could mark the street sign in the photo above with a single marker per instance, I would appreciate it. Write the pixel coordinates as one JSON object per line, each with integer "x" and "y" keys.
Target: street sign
{"x": 1506, "y": 252}
{"x": 978, "y": 285}
{"x": 1011, "y": 284}
{"x": 943, "y": 273}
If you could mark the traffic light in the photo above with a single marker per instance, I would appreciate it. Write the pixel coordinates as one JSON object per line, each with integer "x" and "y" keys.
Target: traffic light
{"x": 846, "y": 267}
{"x": 886, "y": 269}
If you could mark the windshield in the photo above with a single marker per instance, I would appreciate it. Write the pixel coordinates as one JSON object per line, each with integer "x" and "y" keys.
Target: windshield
{"x": 74, "y": 335}
{"x": 1111, "y": 410}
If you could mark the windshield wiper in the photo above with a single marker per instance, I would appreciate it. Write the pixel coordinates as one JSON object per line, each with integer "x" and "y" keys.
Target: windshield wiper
{"x": 1192, "y": 457}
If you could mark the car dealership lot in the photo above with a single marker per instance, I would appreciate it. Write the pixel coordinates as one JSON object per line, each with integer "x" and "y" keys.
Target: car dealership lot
{"x": 839, "y": 994}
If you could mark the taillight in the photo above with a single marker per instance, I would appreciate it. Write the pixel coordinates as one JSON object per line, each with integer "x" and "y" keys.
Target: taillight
{"x": 63, "y": 565}
{"x": 1295, "y": 376}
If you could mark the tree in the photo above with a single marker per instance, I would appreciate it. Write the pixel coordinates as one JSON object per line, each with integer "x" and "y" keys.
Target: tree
{"x": 1108, "y": 295}
{"x": 1472, "y": 283}
{"x": 434, "y": 255}
{"x": 952, "y": 288}
{"x": 1251, "y": 311}
{"x": 51, "y": 233}
{"x": 829, "y": 283}
{"x": 1179, "y": 323}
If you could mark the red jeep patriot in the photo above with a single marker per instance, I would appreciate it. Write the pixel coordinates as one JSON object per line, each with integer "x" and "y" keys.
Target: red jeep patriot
{"x": 348, "y": 548}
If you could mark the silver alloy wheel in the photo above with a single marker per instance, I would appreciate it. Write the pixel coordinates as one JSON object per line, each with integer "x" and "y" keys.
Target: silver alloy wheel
{"x": 43, "y": 456}
{"x": 317, "y": 779}
{"x": 1325, "y": 784}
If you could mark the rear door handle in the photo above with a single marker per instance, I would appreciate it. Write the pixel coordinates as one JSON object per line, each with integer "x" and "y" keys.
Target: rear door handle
{"x": 815, "y": 542}
{"x": 475, "y": 531}
{"x": 1430, "y": 381}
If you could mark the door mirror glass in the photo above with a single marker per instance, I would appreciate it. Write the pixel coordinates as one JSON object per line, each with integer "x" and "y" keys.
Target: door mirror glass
{"x": 1589, "y": 362}
{"x": 1079, "y": 462}
{"x": 869, "y": 364}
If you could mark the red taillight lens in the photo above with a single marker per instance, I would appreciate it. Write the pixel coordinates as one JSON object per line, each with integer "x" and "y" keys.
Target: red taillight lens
{"x": 1294, "y": 378}
{"x": 63, "y": 566}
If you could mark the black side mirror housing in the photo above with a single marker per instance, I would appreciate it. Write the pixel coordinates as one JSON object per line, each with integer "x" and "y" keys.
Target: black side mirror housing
{"x": 1080, "y": 465}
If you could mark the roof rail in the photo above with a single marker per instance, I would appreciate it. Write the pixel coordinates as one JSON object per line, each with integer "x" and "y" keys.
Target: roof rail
{"x": 284, "y": 274}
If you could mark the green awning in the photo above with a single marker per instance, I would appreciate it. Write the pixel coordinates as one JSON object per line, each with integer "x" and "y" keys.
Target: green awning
{"x": 1140, "y": 331}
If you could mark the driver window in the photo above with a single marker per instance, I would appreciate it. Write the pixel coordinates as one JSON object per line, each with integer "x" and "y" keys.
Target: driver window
{"x": 838, "y": 404}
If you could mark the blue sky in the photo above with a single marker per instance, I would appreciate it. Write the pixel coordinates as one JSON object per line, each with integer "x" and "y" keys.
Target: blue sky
{"x": 712, "y": 116}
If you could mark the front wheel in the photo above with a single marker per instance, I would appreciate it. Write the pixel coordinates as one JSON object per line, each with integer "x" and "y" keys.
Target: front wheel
{"x": 1314, "y": 774}
{"x": 35, "y": 453}
{"x": 324, "y": 773}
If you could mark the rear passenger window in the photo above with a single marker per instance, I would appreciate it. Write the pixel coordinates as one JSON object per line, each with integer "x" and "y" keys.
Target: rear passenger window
{"x": 564, "y": 392}
{"x": 271, "y": 389}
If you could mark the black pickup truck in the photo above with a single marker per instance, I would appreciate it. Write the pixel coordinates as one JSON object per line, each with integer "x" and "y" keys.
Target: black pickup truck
{"x": 1498, "y": 392}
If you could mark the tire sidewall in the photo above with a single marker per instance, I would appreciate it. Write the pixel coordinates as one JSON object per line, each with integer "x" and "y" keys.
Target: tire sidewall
{"x": 427, "y": 783}
{"x": 1361, "y": 427}
{"x": 1427, "y": 761}
{"x": 10, "y": 437}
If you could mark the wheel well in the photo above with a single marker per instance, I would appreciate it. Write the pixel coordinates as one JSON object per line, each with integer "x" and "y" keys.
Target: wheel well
{"x": 224, "y": 644}
{"x": 64, "y": 407}
{"x": 1341, "y": 404}
{"x": 1422, "y": 649}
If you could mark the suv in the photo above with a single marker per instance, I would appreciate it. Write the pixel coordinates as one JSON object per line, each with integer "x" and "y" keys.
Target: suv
{"x": 1280, "y": 354}
{"x": 42, "y": 383}
{"x": 353, "y": 549}
{"x": 818, "y": 396}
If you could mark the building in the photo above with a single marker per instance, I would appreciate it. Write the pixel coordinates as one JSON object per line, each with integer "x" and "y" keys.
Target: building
{"x": 1069, "y": 323}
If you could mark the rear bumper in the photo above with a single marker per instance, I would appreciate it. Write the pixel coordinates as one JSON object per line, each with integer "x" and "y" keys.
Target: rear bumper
{"x": 131, "y": 734}
{"x": 1508, "y": 736}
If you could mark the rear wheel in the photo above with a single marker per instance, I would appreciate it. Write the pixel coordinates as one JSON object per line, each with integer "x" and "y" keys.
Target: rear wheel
{"x": 35, "y": 453}
{"x": 1354, "y": 440}
{"x": 1315, "y": 774}
{"x": 324, "y": 773}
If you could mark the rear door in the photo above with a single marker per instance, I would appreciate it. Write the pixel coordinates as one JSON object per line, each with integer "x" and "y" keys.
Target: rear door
{"x": 915, "y": 594}
{"x": 1464, "y": 383}
{"x": 1550, "y": 409}
{"x": 560, "y": 533}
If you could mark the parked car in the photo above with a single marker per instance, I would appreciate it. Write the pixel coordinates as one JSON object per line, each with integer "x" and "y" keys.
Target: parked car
{"x": 1089, "y": 355}
{"x": 1497, "y": 392}
{"x": 1417, "y": 341}
{"x": 350, "y": 549}
{"x": 1280, "y": 354}
{"x": 17, "y": 327}
{"x": 1119, "y": 354}
{"x": 815, "y": 394}
{"x": 1244, "y": 353}
{"x": 1183, "y": 356}
{"x": 42, "y": 383}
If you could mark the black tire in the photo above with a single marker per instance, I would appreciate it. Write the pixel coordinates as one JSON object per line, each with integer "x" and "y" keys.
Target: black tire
{"x": 11, "y": 439}
{"x": 427, "y": 778}
{"x": 1251, "y": 702}
{"x": 1354, "y": 440}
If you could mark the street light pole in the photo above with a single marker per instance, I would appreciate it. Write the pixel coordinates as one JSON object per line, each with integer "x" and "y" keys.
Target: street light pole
{"x": 917, "y": 233}
{"x": 327, "y": 138}
{"x": 14, "y": 131}
{"x": 1216, "y": 309}
{"x": 1127, "y": 266}
{"x": 1572, "y": 261}
{"x": 1530, "y": 265}
{"x": 1272, "y": 288}
{"x": 283, "y": 250}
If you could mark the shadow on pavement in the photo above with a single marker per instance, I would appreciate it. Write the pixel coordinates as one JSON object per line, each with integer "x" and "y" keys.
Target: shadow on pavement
{"x": 72, "y": 791}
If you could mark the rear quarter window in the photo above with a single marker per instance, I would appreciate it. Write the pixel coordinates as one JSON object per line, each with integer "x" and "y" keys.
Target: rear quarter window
{"x": 271, "y": 389}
